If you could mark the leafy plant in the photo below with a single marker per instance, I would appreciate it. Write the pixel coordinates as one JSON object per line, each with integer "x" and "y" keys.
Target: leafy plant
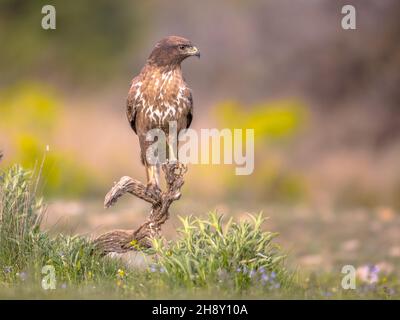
{"x": 209, "y": 259}
{"x": 236, "y": 255}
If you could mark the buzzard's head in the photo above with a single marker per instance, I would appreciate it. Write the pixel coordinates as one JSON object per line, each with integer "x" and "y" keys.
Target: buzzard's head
{"x": 172, "y": 50}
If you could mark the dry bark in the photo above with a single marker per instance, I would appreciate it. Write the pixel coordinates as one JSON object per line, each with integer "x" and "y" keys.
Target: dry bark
{"x": 120, "y": 241}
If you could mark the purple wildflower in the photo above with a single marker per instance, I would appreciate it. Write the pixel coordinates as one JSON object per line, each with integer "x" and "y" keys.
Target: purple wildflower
{"x": 373, "y": 268}
{"x": 153, "y": 268}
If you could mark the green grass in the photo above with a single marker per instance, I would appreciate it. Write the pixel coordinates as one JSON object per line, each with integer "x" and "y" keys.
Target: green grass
{"x": 233, "y": 256}
{"x": 209, "y": 259}
{"x": 25, "y": 249}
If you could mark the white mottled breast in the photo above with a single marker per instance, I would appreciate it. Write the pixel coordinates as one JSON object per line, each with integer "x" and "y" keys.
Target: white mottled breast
{"x": 161, "y": 97}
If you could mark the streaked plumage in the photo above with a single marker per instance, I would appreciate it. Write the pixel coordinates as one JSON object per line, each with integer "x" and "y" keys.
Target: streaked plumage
{"x": 159, "y": 94}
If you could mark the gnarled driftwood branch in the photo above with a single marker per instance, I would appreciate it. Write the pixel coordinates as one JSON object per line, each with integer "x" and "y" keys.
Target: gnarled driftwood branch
{"x": 120, "y": 241}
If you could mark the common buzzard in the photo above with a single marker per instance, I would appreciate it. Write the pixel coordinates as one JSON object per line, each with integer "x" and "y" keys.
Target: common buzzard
{"x": 159, "y": 94}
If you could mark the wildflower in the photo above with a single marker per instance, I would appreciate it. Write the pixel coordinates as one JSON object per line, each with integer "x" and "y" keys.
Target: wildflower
{"x": 252, "y": 273}
{"x": 133, "y": 243}
{"x": 368, "y": 273}
{"x": 162, "y": 270}
{"x": 169, "y": 253}
{"x": 64, "y": 286}
{"x": 7, "y": 269}
{"x": 120, "y": 273}
{"x": 273, "y": 275}
{"x": 373, "y": 268}
{"x": 238, "y": 270}
{"x": 264, "y": 278}
{"x": 261, "y": 270}
{"x": 153, "y": 268}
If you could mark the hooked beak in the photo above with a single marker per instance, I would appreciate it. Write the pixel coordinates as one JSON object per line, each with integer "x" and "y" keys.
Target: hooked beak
{"x": 194, "y": 51}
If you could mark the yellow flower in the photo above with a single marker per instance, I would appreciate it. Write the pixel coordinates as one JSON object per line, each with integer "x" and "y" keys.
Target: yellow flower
{"x": 120, "y": 273}
{"x": 169, "y": 253}
{"x": 133, "y": 243}
{"x": 119, "y": 283}
{"x": 90, "y": 274}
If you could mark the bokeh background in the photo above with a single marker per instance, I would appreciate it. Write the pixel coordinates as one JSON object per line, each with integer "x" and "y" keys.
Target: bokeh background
{"x": 324, "y": 103}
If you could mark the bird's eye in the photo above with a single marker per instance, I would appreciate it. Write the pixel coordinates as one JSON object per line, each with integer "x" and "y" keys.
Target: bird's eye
{"x": 181, "y": 47}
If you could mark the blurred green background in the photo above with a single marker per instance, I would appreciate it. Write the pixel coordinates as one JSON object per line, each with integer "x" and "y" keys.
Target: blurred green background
{"x": 324, "y": 103}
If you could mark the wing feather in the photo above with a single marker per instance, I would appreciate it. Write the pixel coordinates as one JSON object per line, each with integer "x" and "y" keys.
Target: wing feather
{"x": 132, "y": 102}
{"x": 189, "y": 116}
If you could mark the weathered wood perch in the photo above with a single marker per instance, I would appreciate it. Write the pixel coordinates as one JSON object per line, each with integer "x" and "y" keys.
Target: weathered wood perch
{"x": 120, "y": 241}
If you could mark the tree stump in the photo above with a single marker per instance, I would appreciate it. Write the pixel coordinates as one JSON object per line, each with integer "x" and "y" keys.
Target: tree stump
{"x": 120, "y": 241}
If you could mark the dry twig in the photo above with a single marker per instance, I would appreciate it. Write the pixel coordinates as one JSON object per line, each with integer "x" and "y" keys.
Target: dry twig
{"x": 120, "y": 241}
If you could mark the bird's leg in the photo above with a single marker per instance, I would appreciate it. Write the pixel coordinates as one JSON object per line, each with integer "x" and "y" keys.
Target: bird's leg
{"x": 150, "y": 175}
{"x": 147, "y": 173}
{"x": 172, "y": 153}
{"x": 153, "y": 176}
{"x": 157, "y": 173}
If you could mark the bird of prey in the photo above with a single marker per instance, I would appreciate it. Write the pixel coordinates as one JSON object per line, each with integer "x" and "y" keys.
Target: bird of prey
{"x": 158, "y": 95}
